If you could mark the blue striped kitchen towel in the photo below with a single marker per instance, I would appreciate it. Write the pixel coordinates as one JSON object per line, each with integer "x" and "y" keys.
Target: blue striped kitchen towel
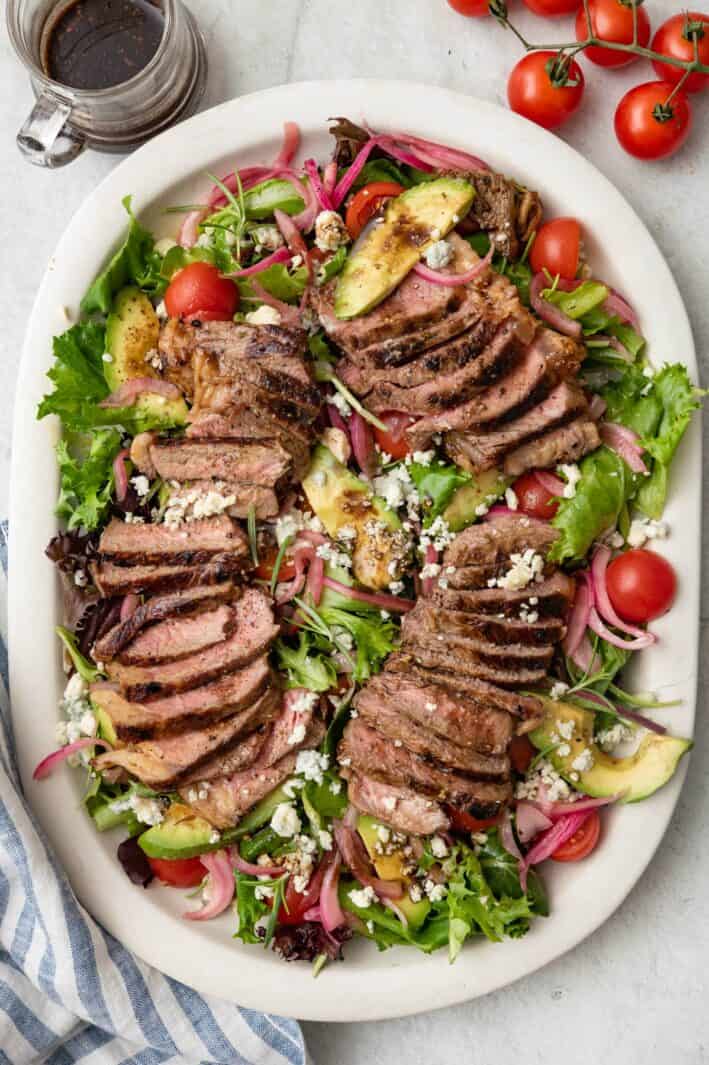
{"x": 69, "y": 992}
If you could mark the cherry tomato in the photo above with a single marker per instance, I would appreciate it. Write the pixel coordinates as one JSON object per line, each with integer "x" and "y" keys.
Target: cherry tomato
{"x": 641, "y": 132}
{"x": 556, "y": 248}
{"x": 465, "y": 822}
{"x": 296, "y": 904}
{"x": 522, "y": 752}
{"x": 266, "y": 562}
{"x": 474, "y": 8}
{"x": 641, "y": 585}
{"x": 582, "y": 842}
{"x": 673, "y": 39}
{"x": 612, "y": 20}
{"x": 178, "y": 872}
{"x": 531, "y": 93}
{"x": 552, "y": 8}
{"x": 367, "y": 202}
{"x": 533, "y": 498}
{"x": 393, "y": 440}
{"x": 199, "y": 291}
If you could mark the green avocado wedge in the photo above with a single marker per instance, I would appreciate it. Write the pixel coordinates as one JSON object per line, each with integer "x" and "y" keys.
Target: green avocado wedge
{"x": 484, "y": 489}
{"x": 384, "y": 256}
{"x": 636, "y": 777}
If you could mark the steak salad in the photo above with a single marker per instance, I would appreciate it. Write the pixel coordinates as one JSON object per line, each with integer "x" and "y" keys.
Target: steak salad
{"x": 357, "y": 477}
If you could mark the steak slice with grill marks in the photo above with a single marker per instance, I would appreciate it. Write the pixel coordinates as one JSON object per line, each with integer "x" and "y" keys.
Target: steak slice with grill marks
{"x": 566, "y": 444}
{"x": 254, "y": 423}
{"x": 420, "y": 314}
{"x": 491, "y": 542}
{"x": 553, "y": 598}
{"x": 255, "y": 462}
{"x": 112, "y": 579}
{"x": 468, "y": 721}
{"x": 263, "y": 499}
{"x": 399, "y": 807}
{"x": 160, "y": 607}
{"x": 184, "y": 710}
{"x": 247, "y": 751}
{"x": 507, "y": 657}
{"x": 178, "y": 637}
{"x": 476, "y": 450}
{"x": 385, "y": 718}
{"x": 253, "y": 633}
{"x": 374, "y": 755}
{"x": 432, "y": 652}
{"x": 542, "y": 632}
{"x": 188, "y": 544}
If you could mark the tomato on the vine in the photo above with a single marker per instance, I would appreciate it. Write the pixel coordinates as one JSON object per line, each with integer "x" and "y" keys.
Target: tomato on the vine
{"x": 557, "y": 247}
{"x": 674, "y": 38}
{"x": 531, "y": 91}
{"x": 641, "y": 585}
{"x": 365, "y": 203}
{"x": 646, "y": 126}
{"x": 393, "y": 440}
{"x": 552, "y": 8}
{"x": 533, "y": 498}
{"x": 462, "y": 821}
{"x": 612, "y": 20}
{"x": 199, "y": 291}
{"x": 582, "y": 842}
{"x": 178, "y": 872}
{"x": 472, "y": 8}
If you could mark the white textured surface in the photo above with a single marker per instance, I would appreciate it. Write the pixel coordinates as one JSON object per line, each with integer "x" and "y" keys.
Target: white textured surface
{"x": 637, "y": 989}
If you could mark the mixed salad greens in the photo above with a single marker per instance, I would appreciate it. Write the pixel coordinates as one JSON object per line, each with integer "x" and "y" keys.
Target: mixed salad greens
{"x": 263, "y": 229}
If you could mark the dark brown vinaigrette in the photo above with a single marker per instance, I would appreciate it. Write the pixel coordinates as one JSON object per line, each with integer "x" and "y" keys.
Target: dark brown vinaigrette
{"x": 95, "y": 44}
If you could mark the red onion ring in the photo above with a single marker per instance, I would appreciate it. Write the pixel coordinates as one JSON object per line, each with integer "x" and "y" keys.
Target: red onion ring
{"x": 130, "y": 604}
{"x": 384, "y": 602}
{"x": 391, "y": 905}
{"x": 500, "y": 511}
{"x": 530, "y": 821}
{"x": 637, "y": 644}
{"x": 336, "y": 420}
{"x": 623, "y": 711}
{"x": 551, "y": 482}
{"x": 47, "y": 765}
{"x": 221, "y": 886}
{"x": 331, "y": 914}
{"x": 321, "y": 193}
{"x": 584, "y": 657}
{"x": 549, "y": 312}
{"x": 597, "y": 407}
{"x": 316, "y": 576}
{"x": 250, "y": 868}
{"x": 130, "y": 390}
{"x": 291, "y": 143}
{"x": 330, "y": 178}
{"x": 580, "y": 613}
{"x": 290, "y": 315}
{"x": 362, "y": 440}
{"x": 555, "y": 810}
{"x": 625, "y": 443}
{"x": 507, "y": 838}
{"x": 120, "y": 475}
{"x": 281, "y": 255}
{"x": 617, "y": 304}
{"x": 291, "y": 233}
{"x": 357, "y": 860}
{"x": 559, "y": 833}
{"x": 451, "y": 280}
{"x": 302, "y": 557}
{"x": 599, "y": 565}
{"x": 454, "y": 158}
{"x": 312, "y": 537}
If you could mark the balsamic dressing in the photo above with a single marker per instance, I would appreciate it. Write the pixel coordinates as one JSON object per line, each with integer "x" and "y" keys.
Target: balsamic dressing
{"x": 96, "y": 44}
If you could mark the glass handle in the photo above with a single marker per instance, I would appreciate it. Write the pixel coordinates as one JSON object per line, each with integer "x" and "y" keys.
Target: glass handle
{"x": 46, "y": 138}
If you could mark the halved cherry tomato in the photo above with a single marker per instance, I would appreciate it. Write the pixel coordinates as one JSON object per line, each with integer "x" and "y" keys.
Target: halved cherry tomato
{"x": 178, "y": 872}
{"x": 465, "y": 822}
{"x": 552, "y": 8}
{"x": 641, "y": 585}
{"x": 612, "y": 20}
{"x": 582, "y": 842}
{"x": 474, "y": 8}
{"x": 393, "y": 440}
{"x": 199, "y": 291}
{"x": 674, "y": 39}
{"x": 530, "y": 91}
{"x": 556, "y": 248}
{"x": 266, "y": 562}
{"x": 533, "y": 498}
{"x": 296, "y": 904}
{"x": 642, "y": 130}
{"x": 521, "y": 753}
{"x": 367, "y": 202}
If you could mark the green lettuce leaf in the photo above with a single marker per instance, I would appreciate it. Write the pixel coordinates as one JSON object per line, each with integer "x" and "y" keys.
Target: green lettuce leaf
{"x": 86, "y": 485}
{"x": 373, "y": 637}
{"x": 249, "y": 909}
{"x": 308, "y": 665}
{"x": 436, "y": 485}
{"x": 601, "y": 493}
{"x": 135, "y": 262}
{"x": 83, "y": 667}
{"x": 77, "y": 376}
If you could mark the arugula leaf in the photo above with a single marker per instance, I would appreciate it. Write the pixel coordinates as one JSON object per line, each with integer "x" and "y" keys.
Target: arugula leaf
{"x": 77, "y": 376}
{"x": 83, "y": 667}
{"x": 86, "y": 487}
{"x": 249, "y": 909}
{"x": 135, "y": 261}
{"x": 308, "y": 665}
{"x": 601, "y": 493}
{"x": 436, "y": 485}
{"x": 632, "y": 400}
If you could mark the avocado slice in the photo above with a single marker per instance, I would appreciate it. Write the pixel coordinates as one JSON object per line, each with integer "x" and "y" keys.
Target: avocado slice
{"x": 262, "y": 812}
{"x": 132, "y": 330}
{"x": 484, "y": 489}
{"x": 388, "y": 866}
{"x": 638, "y": 775}
{"x": 105, "y": 726}
{"x": 341, "y": 500}
{"x": 389, "y": 250}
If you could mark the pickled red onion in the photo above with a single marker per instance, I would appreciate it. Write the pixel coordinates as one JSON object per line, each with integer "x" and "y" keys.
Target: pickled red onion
{"x": 438, "y": 278}
{"x": 549, "y": 312}
{"x": 46, "y": 766}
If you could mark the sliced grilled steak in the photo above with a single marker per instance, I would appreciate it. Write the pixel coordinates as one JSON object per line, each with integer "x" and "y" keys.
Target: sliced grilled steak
{"x": 185, "y": 710}
{"x": 112, "y": 579}
{"x": 542, "y": 632}
{"x": 254, "y": 631}
{"x": 399, "y": 807}
{"x": 264, "y": 463}
{"x": 484, "y": 695}
{"x": 494, "y": 541}
{"x": 190, "y": 544}
{"x": 473, "y": 577}
{"x": 178, "y": 637}
{"x": 404, "y": 732}
{"x": 476, "y": 450}
{"x": 263, "y": 500}
{"x": 159, "y": 608}
{"x": 506, "y": 653}
{"x": 553, "y": 597}
{"x": 246, "y": 751}
{"x": 567, "y": 444}
{"x": 164, "y": 763}
{"x": 433, "y": 652}
{"x": 420, "y": 314}
{"x": 466, "y": 720}
{"x": 253, "y": 422}
{"x": 375, "y": 756}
